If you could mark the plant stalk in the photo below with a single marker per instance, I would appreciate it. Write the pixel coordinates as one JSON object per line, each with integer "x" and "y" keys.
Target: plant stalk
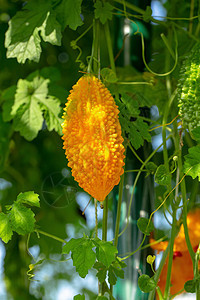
{"x": 109, "y": 45}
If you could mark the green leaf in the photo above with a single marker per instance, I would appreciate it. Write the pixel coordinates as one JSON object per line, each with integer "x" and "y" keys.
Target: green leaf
{"x": 112, "y": 279}
{"x": 8, "y": 97}
{"x": 22, "y": 219}
{"x": 134, "y": 127}
{"x": 82, "y": 254}
{"x": 72, "y": 244}
{"x": 79, "y": 297}
{"x": 147, "y": 14}
{"x": 145, "y": 226}
{"x": 51, "y": 107}
{"x": 69, "y": 13}
{"x": 22, "y": 37}
{"x": 28, "y": 115}
{"x": 151, "y": 167}
{"x": 83, "y": 258}
{"x": 196, "y": 134}
{"x": 5, "y": 228}
{"x": 117, "y": 268}
{"x": 108, "y": 75}
{"x": 5, "y": 134}
{"x": 105, "y": 251}
{"x": 192, "y": 162}
{"x": 29, "y": 198}
{"x": 103, "y": 11}
{"x": 101, "y": 298}
{"x": 31, "y": 101}
{"x": 190, "y": 286}
{"x": 101, "y": 271}
{"x": 146, "y": 283}
{"x": 162, "y": 176}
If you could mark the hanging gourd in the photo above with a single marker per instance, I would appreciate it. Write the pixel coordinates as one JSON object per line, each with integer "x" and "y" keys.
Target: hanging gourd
{"x": 189, "y": 90}
{"x": 92, "y": 137}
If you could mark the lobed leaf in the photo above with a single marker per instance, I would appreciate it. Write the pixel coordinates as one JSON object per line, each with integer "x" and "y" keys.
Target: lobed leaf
{"x": 82, "y": 254}
{"x": 69, "y": 13}
{"x": 135, "y": 128}
{"x": 103, "y": 11}
{"x": 23, "y": 42}
{"x": 5, "y": 227}
{"x": 22, "y": 218}
{"x": 192, "y": 162}
{"x": 105, "y": 251}
{"x": 30, "y": 106}
{"x": 29, "y": 198}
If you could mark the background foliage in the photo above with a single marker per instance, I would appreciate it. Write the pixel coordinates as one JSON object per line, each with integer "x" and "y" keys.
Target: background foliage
{"x": 44, "y": 48}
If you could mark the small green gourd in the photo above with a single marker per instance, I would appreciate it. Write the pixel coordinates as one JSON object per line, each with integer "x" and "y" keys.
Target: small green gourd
{"x": 189, "y": 90}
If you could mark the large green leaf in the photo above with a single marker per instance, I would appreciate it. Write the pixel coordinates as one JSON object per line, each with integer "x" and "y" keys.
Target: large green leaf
{"x": 22, "y": 219}
{"x": 82, "y": 254}
{"x": 31, "y": 106}
{"x": 69, "y": 13}
{"x": 23, "y": 39}
{"x": 106, "y": 251}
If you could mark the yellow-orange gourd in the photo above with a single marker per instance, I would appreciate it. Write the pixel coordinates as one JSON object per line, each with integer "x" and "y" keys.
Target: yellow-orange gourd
{"x": 92, "y": 137}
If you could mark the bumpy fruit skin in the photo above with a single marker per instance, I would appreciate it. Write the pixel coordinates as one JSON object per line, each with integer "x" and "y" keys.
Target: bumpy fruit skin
{"x": 92, "y": 137}
{"x": 189, "y": 90}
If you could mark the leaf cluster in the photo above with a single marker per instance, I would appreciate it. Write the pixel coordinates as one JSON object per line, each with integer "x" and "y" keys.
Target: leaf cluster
{"x": 92, "y": 252}
{"x": 18, "y": 216}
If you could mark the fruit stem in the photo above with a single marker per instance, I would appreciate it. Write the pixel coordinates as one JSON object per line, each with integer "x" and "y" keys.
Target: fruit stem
{"x": 119, "y": 210}
{"x": 109, "y": 45}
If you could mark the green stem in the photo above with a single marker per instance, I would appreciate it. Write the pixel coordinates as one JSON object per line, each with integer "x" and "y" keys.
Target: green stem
{"x": 96, "y": 63}
{"x": 183, "y": 192}
{"x": 109, "y": 45}
{"x": 135, "y": 183}
{"x": 196, "y": 273}
{"x": 105, "y": 220}
{"x": 96, "y": 218}
{"x": 158, "y": 272}
{"x": 95, "y": 45}
{"x": 50, "y": 235}
{"x": 171, "y": 253}
{"x": 194, "y": 192}
{"x": 191, "y": 15}
{"x": 119, "y": 210}
{"x": 134, "y": 152}
{"x": 131, "y": 6}
{"x": 104, "y": 236}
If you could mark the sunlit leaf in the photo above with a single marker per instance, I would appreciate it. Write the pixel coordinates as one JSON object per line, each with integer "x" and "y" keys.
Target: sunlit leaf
{"x": 23, "y": 39}
{"x": 29, "y": 198}
{"x": 22, "y": 219}
{"x": 5, "y": 227}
